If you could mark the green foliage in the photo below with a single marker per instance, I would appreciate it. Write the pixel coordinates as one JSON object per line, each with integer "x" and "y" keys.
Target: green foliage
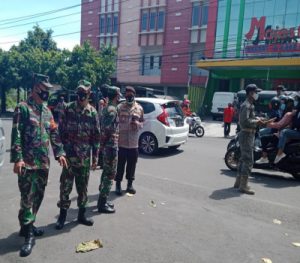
{"x": 38, "y": 52}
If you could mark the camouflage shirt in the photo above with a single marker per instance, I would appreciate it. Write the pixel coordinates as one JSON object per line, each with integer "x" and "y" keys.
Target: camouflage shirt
{"x": 33, "y": 128}
{"x": 80, "y": 133}
{"x": 247, "y": 116}
{"x": 110, "y": 127}
{"x": 129, "y": 137}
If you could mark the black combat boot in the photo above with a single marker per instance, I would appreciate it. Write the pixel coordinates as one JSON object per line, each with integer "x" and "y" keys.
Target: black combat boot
{"x": 130, "y": 188}
{"x": 36, "y": 231}
{"x": 29, "y": 241}
{"x": 61, "y": 219}
{"x": 82, "y": 218}
{"x": 118, "y": 188}
{"x": 104, "y": 207}
{"x": 110, "y": 204}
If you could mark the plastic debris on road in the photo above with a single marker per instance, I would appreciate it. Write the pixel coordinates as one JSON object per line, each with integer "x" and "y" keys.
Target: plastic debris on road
{"x": 89, "y": 246}
{"x": 296, "y": 244}
{"x": 266, "y": 260}
{"x": 277, "y": 222}
{"x": 152, "y": 203}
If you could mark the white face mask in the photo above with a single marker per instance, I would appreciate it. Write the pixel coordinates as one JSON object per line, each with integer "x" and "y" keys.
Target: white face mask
{"x": 255, "y": 96}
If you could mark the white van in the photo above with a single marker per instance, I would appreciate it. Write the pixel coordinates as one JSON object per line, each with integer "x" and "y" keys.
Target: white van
{"x": 220, "y": 102}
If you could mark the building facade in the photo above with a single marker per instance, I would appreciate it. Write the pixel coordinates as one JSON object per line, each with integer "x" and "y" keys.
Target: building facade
{"x": 257, "y": 41}
{"x": 158, "y": 41}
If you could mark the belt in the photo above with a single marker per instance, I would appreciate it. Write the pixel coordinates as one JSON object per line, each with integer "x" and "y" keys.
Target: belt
{"x": 249, "y": 130}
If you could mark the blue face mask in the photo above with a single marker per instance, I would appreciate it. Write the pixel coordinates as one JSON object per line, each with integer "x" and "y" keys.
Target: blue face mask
{"x": 282, "y": 107}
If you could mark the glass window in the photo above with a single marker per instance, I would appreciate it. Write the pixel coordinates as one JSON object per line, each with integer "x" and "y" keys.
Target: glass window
{"x": 279, "y": 7}
{"x": 152, "y": 20}
{"x": 220, "y": 29}
{"x": 102, "y": 6}
{"x": 204, "y": 15}
{"x": 108, "y": 24}
{"x": 222, "y": 3}
{"x": 195, "y": 14}
{"x": 233, "y": 29}
{"x": 291, "y": 6}
{"x": 194, "y": 36}
{"x": 116, "y": 5}
{"x": 115, "y": 41}
{"x": 161, "y": 20}
{"x": 151, "y": 62}
{"x": 249, "y": 10}
{"x": 269, "y": 8}
{"x": 144, "y": 21}
{"x": 235, "y": 11}
{"x": 278, "y": 22}
{"x": 109, "y": 5}
{"x": 147, "y": 106}
{"x": 221, "y": 13}
{"x": 291, "y": 21}
{"x": 102, "y": 24}
{"x": 259, "y": 9}
{"x": 159, "y": 62}
{"x": 116, "y": 23}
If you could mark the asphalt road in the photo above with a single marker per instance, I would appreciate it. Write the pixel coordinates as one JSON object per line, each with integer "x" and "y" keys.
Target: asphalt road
{"x": 198, "y": 216}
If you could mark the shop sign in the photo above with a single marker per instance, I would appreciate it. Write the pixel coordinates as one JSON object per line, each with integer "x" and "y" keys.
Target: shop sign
{"x": 269, "y": 40}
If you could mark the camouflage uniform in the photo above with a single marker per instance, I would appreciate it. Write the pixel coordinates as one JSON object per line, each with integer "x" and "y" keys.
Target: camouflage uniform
{"x": 80, "y": 133}
{"x": 248, "y": 124}
{"x": 109, "y": 144}
{"x": 33, "y": 128}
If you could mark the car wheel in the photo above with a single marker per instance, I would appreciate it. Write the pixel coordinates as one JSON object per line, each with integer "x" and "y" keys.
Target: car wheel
{"x": 148, "y": 144}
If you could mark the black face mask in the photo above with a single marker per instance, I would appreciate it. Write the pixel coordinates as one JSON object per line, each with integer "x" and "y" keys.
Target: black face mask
{"x": 129, "y": 99}
{"x": 82, "y": 96}
{"x": 44, "y": 95}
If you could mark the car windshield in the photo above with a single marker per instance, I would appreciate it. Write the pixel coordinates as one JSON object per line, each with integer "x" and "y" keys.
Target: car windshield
{"x": 173, "y": 109}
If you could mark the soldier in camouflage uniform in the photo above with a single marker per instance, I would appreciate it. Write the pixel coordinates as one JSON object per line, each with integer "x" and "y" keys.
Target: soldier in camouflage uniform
{"x": 109, "y": 145}
{"x": 33, "y": 128}
{"x": 248, "y": 123}
{"x": 80, "y": 132}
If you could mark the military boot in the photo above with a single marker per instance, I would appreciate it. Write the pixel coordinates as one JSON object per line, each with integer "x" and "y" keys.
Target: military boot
{"x": 29, "y": 241}
{"x": 104, "y": 207}
{"x": 237, "y": 182}
{"x": 61, "y": 219}
{"x": 82, "y": 219}
{"x": 110, "y": 204}
{"x": 244, "y": 188}
{"x": 36, "y": 231}
{"x": 118, "y": 188}
{"x": 130, "y": 188}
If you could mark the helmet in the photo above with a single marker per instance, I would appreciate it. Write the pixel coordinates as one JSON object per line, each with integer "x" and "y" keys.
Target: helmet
{"x": 290, "y": 100}
{"x": 251, "y": 87}
{"x": 275, "y": 103}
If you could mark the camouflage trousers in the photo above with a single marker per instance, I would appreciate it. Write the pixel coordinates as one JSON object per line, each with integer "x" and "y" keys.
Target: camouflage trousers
{"x": 32, "y": 184}
{"x": 81, "y": 176}
{"x": 245, "y": 165}
{"x": 110, "y": 161}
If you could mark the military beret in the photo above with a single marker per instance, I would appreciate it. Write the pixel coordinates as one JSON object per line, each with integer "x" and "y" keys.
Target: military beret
{"x": 84, "y": 85}
{"x": 130, "y": 89}
{"x": 41, "y": 79}
{"x": 112, "y": 91}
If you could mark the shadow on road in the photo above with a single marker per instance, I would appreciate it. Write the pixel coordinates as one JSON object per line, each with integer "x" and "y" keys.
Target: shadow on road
{"x": 267, "y": 179}
{"x": 225, "y": 193}
{"x": 162, "y": 153}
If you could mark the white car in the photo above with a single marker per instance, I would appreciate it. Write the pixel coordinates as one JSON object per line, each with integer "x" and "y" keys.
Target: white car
{"x": 164, "y": 125}
{"x": 2, "y": 144}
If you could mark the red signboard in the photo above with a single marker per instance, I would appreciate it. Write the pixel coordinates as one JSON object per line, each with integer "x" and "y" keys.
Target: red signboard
{"x": 269, "y": 40}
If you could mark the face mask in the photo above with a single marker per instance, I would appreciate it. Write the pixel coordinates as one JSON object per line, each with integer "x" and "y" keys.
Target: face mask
{"x": 130, "y": 99}
{"x": 255, "y": 96}
{"x": 282, "y": 107}
{"x": 82, "y": 96}
{"x": 44, "y": 95}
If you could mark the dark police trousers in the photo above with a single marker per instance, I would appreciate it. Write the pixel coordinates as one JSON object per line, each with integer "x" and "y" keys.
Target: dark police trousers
{"x": 129, "y": 157}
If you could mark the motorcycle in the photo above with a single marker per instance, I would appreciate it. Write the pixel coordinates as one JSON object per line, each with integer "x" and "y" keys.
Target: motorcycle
{"x": 195, "y": 126}
{"x": 290, "y": 164}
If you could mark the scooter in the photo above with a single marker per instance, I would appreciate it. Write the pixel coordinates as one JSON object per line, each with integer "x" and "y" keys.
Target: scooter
{"x": 289, "y": 164}
{"x": 195, "y": 126}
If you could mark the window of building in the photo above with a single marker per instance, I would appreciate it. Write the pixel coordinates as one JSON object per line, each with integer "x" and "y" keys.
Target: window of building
{"x": 161, "y": 20}
{"x": 199, "y": 14}
{"x": 144, "y": 21}
{"x": 204, "y": 15}
{"x": 195, "y": 14}
{"x": 159, "y": 62}
{"x": 103, "y": 2}
{"x": 151, "y": 65}
{"x": 151, "y": 62}
{"x": 116, "y": 23}
{"x": 108, "y": 24}
{"x": 152, "y": 20}
{"x": 102, "y": 24}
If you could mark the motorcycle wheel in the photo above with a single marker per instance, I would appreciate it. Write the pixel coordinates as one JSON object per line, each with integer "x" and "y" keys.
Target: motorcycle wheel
{"x": 231, "y": 160}
{"x": 199, "y": 131}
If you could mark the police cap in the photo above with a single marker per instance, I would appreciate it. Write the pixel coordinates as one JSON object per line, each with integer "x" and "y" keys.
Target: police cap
{"x": 252, "y": 87}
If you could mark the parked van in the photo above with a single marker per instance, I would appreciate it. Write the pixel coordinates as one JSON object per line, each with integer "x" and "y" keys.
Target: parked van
{"x": 220, "y": 102}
